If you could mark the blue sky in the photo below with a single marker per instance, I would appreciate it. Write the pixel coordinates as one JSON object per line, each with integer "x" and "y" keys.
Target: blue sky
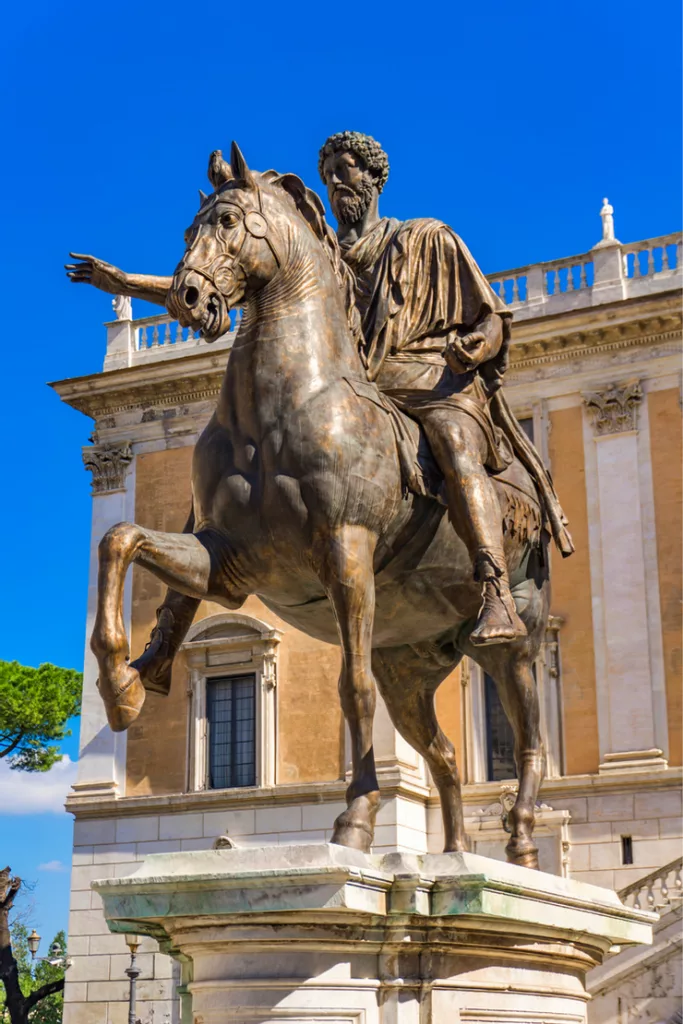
{"x": 508, "y": 121}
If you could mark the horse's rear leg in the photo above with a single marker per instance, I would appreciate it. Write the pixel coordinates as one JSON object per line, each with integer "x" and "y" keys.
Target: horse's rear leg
{"x": 408, "y": 682}
{"x": 509, "y": 665}
{"x": 345, "y": 559}
{"x": 181, "y": 561}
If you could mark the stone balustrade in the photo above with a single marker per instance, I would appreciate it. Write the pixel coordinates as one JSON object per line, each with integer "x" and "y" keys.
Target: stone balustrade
{"x": 660, "y": 890}
{"x": 610, "y": 272}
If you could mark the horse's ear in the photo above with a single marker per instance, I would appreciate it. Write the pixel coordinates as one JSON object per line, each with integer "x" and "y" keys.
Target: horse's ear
{"x": 219, "y": 171}
{"x": 239, "y": 167}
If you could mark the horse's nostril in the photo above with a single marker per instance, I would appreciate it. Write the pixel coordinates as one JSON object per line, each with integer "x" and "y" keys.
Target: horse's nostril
{"x": 191, "y": 296}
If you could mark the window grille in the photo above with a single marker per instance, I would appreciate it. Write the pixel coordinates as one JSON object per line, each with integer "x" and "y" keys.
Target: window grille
{"x": 231, "y": 714}
{"x": 500, "y": 762}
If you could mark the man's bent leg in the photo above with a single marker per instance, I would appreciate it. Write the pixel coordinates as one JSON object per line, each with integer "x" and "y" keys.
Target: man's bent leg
{"x": 459, "y": 446}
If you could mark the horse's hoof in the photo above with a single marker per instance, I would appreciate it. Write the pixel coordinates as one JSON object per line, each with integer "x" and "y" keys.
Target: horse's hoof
{"x": 124, "y": 704}
{"x": 523, "y": 852}
{"x": 356, "y": 836}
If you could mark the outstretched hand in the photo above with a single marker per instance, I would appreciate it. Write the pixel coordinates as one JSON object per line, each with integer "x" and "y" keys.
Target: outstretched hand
{"x": 97, "y": 273}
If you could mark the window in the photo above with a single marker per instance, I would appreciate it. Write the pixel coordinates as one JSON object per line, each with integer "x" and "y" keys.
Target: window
{"x": 527, "y": 425}
{"x": 231, "y": 721}
{"x": 232, "y": 663}
{"x": 500, "y": 741}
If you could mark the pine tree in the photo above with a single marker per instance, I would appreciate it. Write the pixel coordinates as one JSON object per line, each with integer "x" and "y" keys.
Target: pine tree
{"x": 35, "y": 705}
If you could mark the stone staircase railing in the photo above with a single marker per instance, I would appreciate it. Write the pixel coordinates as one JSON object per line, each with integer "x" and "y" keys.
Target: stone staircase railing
{"x": 661, "y": 890}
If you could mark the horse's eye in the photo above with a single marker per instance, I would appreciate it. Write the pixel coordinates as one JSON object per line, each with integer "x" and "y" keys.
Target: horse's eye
{"x": 228, "y": 220}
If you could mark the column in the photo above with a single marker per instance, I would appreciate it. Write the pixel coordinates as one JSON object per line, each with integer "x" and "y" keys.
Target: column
{"x": 102, "y": 754}
{"x": 629, "y": 718}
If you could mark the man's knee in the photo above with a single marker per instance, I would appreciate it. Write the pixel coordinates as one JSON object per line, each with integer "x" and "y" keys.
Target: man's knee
{"x": 454, "y": 440}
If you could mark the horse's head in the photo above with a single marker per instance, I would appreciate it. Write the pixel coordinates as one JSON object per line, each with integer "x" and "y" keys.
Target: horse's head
{"x": 237, "y": 243}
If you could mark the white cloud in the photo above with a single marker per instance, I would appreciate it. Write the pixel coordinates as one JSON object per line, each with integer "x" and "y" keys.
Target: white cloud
{"x": 52, "y": 865}
{"x": 36, "y": 792}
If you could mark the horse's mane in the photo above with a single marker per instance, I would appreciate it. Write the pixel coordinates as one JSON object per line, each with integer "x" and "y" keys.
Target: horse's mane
{"x": 310, "y": 206}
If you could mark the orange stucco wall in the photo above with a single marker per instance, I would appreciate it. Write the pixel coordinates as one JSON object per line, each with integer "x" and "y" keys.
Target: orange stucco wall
{"x": 571, "y": 596}
{"x": 667, "y": 457}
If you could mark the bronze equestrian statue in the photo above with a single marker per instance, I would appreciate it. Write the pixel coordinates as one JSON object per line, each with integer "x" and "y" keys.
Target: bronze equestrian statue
{"x": 312, "y": 490}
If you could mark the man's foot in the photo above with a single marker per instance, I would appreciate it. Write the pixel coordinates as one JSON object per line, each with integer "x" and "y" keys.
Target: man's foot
{"x": 498, "y": 621}
{"x": 155, "y": 664}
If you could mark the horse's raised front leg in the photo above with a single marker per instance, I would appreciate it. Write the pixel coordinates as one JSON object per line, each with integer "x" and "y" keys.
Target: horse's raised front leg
{"x": 345, "y": 559}
{"x": 182, "y": 561}
{"x": 174, "y": 618}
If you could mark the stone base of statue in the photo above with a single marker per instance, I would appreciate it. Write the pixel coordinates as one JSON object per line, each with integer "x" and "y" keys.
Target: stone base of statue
{"x": 320, "y": 933}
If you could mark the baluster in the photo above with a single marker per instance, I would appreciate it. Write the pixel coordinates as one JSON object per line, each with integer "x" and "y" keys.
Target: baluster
{"x": 570, "y": 279}
{"x": 665, "y": 258}
{"x": 650, "y": 262}
{"x": 143, "y": 336}
{"x": 636, "y": 265}
{"x": 155, "y": 336}
{"x": 178, "y": 332}
{"x": 515, "y": 289}
{"x": 636, "y": 901}
{"x": 167, "y": 333}
{"x": 583, "y": 282}
{"x": 664, "y": 889}
{"x": 650, "y": 896}
{"x": 678, "y": 883}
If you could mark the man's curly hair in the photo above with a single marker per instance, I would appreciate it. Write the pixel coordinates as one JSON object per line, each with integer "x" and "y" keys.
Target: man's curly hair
{"x": 363, "y": 146}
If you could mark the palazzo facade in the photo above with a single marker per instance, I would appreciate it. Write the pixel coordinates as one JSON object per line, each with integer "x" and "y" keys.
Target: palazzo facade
{"x": 251, "y": 741}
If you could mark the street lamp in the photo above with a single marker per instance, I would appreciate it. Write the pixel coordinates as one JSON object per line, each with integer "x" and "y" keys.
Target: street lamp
{"x": 133, "y": 972}
{"x": 55, "y": 957}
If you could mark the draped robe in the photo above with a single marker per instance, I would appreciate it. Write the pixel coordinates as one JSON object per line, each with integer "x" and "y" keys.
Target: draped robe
{"x": 417, "y": 289}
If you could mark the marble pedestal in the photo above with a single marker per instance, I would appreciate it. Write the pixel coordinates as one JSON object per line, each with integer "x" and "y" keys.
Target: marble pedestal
{"x": 320, "y": 934}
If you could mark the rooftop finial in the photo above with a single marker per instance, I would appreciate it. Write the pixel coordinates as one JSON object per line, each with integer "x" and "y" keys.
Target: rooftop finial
{"x": 607, "y": 214}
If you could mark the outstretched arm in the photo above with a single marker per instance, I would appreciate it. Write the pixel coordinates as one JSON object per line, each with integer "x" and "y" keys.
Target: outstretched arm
{"x": 110, "y": 279}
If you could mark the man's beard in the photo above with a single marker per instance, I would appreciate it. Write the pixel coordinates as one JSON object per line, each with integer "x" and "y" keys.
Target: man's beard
{"x": 349, "y": 204}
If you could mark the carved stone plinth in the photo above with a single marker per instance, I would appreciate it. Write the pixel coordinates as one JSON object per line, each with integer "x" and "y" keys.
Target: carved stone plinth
{"x": 320, "y": 933}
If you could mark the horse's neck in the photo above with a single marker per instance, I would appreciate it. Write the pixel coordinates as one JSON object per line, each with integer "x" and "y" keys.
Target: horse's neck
{"x": 301, "y": 312}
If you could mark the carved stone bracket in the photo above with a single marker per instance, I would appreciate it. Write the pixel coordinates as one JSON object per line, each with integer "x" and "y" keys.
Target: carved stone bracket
{"x": 108, "y": 463}
{"x": 614, "y": 410}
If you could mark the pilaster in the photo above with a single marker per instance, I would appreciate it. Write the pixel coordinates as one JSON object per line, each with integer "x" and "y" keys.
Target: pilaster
{"x": 102, "y": 755}
{"x": 629, "y": 718}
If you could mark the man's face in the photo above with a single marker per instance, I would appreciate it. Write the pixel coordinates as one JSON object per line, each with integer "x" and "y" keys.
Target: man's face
{"x": 350, "y": 186}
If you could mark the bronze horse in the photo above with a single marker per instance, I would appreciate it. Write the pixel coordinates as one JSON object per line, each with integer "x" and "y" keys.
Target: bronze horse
{"x": 298, "y": 497}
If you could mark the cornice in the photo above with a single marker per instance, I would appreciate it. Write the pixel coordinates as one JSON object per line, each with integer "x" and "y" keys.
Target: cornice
{"x": 394, "y": 783}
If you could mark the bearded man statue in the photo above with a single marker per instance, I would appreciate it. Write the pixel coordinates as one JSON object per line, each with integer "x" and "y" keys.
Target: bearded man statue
{"x": 436, "y": 342}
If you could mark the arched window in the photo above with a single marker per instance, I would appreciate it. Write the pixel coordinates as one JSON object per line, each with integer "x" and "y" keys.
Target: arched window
{"x": 232, "y": 660}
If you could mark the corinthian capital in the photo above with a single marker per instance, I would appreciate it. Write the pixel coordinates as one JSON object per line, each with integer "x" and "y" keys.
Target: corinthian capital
{"x": 615, "y": 409}
{"x": 108, "y": 463}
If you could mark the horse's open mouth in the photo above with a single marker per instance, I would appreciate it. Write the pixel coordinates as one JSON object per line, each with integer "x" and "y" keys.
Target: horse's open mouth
{"x": 212, "y": 321}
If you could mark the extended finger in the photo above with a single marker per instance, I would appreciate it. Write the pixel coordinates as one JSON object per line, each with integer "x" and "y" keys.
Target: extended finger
{"x": 77, "y": 266}
{"x": 84, "y": 256}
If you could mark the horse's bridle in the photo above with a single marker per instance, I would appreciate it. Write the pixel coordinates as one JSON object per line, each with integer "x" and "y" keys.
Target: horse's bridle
{"x": 256, "y": 226}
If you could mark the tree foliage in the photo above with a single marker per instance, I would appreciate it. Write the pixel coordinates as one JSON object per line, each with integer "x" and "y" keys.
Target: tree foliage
{"x": 35, "y": 705}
